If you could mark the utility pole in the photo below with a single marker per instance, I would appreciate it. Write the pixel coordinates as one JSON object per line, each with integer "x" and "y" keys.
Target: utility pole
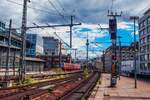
{"x": 60, "y": 46}
{"x": 71, "y": 25}
{"x": 73, "y": 49}
{"x": 113, "y": 33}
{"x": 87, "y": 50}
{"x": 120, "y": 56}
{"x": 135, "y": 18}
{"x": 103, "y": 61}
{"x": 23, "y": 34}
{"x": 8, "y": 51}
{"x": 75, "y": 53}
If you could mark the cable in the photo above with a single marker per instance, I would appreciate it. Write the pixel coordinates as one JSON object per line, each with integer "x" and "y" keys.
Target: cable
{"x": 60, "y": 4}
{"x": 41, "y": 10}
{"x": 61, "y": 39}
{"x": 59, "y": 13}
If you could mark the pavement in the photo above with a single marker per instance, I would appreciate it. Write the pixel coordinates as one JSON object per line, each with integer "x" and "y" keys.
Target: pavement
{"x": 124, "y": 89}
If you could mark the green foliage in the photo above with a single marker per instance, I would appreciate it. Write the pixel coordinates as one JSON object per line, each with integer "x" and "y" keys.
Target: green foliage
{"x": 26, "y": 81}
{"x": 50, "y": 89}
{"x": 86, "y": 72}
{"x": 83, "y": 98}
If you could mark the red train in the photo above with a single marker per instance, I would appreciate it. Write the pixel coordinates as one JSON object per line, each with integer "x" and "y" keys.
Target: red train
{"x": 71, "y": 67}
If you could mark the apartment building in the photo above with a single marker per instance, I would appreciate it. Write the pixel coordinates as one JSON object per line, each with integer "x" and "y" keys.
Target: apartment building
{"x": 144, "y": 43}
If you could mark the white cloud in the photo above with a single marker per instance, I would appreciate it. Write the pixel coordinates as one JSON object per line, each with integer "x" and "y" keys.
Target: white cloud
{"x": 137, "y": 33}
{"x": 96, "y": 13}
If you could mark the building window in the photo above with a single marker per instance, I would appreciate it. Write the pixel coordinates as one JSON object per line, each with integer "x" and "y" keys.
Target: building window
{"x": 142, "y": 66}
{"x": 148, "y": 57}
{"x": 144, "y": 40}
{"x": 148, "y": 20}
{"x": 148, "y": 47}
{"x": 149, "y": 66}
{"x": 145, "y": 57}
{"x": 141, "y": 25}
{"x": 141, "y": 49}
{"x": 144, "y": 48}
{"x": 148, "y": 29}
{"x": 144, "y": 23}
{"x": 148, "y": 38}
{"x": 141, "y": 33}
{"x": 145, "y": 67}
{"x": 141, "y": 41}
{"x": 142, "y": 57}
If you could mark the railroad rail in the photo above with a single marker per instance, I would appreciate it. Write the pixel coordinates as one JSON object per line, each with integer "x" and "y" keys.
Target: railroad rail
{"x": 74, "y": 87}
{"x": 19, "y": 92}
{"x": 40, "y": 76}
{"x": 83, "y": 90}
{"x": 53, "y": 75}
{"x": 73, "y": 90}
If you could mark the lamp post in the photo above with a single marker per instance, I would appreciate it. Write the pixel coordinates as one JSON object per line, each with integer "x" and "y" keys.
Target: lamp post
{"x": 134, "y": 18}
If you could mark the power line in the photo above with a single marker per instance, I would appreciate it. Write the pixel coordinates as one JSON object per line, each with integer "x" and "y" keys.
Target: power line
{"x": 60, "y": 4}
{"x": 41, "y": 6}
{"x": 41, "y": 10}
{"x": 59, "y": 13}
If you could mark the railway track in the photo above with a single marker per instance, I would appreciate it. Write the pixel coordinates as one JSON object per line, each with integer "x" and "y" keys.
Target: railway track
{"x": 20, "y": 92}
{"x": 83, "y": 90}
{"x": 71, "y": 88}
{"x": 40, "y": 76}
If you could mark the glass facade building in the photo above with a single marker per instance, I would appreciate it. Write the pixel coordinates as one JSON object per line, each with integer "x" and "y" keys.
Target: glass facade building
{"x": 34, "y": 45}
{"x": 15, "y": 49}
{"x": 50, "y": 45}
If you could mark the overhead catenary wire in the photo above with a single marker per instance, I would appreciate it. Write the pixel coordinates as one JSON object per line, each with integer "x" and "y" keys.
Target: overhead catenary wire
{"x": 61, "y": 5}
{"x": 37, "y": 9}
{"x": 59, "y": 13}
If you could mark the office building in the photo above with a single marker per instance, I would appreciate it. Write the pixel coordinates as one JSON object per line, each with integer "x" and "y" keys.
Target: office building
{"x": 144, "y": 43}
{"x": 50, "y": 45}
{"x": 34, "y": 45}
{"x": 127, "y": 53}
{"x": 15, "y": 49}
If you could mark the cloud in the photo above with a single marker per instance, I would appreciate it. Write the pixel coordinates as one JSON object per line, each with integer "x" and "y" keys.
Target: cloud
{"x": 136, "y": 33}
{"x": 89, "y": 12}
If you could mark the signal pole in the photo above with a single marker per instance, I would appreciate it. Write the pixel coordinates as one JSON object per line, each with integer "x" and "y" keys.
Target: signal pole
{"x": 71, "y": 25}
{"x": 23, "y": 34}
{"x": 87, "y": 50}
{"x": 120, "y": 56}
{"x": 135, "y": 18}
{"x": 60, "y": 45}
{"x": 113, "y": 33}
{"x": 103, "y": 61}
{"x": 8, "y": 51}
{"x": 75, "y": 53}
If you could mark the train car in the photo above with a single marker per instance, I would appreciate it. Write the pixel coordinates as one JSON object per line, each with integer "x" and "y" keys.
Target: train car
{"x": 71, "y": 67}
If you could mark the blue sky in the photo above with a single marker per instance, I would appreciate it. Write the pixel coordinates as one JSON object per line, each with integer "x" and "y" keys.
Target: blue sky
{"x": 89, "y": 12}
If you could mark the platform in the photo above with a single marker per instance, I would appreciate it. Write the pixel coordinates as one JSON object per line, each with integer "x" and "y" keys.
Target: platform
{"x": 123, "y": 91}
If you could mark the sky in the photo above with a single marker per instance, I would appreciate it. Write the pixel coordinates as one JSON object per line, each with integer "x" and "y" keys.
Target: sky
{"x": 91, "y": 13}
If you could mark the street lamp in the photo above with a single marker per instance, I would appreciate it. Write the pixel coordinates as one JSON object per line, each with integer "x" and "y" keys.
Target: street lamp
{"x": 134, "y": 18}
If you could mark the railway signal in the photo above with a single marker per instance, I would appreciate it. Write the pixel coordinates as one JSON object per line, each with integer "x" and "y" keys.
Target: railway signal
{"x": 113, "y": 33}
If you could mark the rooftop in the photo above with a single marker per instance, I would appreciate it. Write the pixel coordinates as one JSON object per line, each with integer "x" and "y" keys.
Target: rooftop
{"x": 147, "y": 11}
